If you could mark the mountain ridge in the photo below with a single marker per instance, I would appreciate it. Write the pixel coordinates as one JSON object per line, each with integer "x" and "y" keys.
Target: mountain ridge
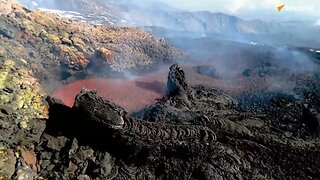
{"x": 134, "y": 14}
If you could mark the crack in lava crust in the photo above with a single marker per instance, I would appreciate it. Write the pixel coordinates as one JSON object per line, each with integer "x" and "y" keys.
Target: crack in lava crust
{"x": 130, "y": 94}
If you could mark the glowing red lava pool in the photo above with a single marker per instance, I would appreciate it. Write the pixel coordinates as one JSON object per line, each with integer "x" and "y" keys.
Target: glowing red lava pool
{"x": 131, "y": 94}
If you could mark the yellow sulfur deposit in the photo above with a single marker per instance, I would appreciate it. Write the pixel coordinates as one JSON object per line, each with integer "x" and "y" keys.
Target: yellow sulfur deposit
{"x": 54, "y": 39}
{"x": 65, "y": 39}
{"x": 20, "y": 91}
{"x": 78, "y": 42}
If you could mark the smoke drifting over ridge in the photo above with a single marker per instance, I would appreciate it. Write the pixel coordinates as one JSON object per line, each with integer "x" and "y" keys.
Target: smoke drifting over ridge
{"x": 266, "y": 51}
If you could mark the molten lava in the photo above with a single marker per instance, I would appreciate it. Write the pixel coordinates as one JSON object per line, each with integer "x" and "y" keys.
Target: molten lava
{"x": 130, "y": 94}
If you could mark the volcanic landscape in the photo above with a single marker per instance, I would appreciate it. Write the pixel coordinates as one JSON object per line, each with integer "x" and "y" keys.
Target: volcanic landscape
{"x": 136, "y": 92}
{"x": 216, "y": 97}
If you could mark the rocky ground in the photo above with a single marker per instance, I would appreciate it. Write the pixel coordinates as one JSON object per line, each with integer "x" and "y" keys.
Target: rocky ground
{"x": 56, "y": 49}
{"x": 38, "y": 53}
{"x": 193, "y": 132}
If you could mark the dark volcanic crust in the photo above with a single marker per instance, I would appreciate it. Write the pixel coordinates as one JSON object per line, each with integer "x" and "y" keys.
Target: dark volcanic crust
{"x": 194, "y": 133}
{"x": 111, "y": 117}
{"x": 213, "y": 139}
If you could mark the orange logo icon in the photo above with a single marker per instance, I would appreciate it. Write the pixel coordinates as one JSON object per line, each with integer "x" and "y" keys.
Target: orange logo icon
{"x": 280, "y": 7}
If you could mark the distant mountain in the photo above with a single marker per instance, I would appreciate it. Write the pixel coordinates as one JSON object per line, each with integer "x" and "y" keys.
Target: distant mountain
{"x": 200, "y": 22}
{"x": 152, "y": 13}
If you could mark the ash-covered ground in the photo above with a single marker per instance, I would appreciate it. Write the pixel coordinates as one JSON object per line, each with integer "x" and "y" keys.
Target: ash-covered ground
{"x": 82, "y": 101}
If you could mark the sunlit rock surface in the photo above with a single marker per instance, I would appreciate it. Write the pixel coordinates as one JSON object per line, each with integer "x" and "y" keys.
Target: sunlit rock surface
{"x": 21, "y": 94}
{"x": 56, "y": 48}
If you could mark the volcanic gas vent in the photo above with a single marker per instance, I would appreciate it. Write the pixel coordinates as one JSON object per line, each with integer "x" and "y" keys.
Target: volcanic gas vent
{"x": 176, "y": 83}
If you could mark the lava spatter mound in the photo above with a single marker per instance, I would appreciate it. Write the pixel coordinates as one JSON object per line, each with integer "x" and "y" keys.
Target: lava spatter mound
{"x": 176, "y": 81}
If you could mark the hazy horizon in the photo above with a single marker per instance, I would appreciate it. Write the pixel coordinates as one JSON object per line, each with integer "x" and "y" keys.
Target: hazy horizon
{"x": 245, "y": 9}
{"x": 253, "y": 9}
